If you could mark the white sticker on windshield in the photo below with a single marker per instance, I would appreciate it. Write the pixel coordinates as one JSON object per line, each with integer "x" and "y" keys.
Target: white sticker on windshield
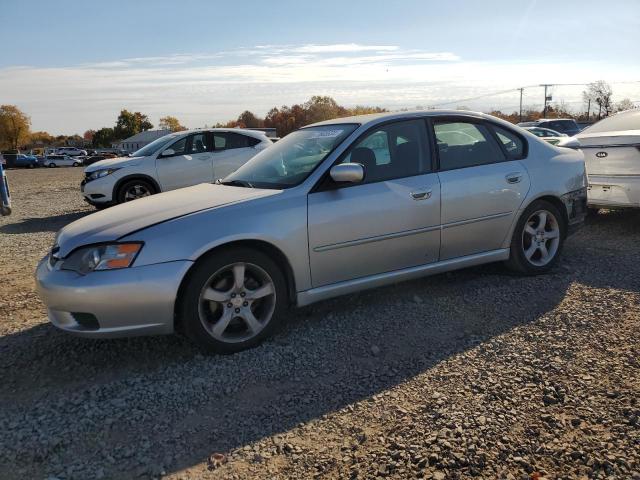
{"x": 327, "y": 134}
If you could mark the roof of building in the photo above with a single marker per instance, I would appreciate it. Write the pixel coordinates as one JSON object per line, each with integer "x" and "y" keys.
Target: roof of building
{"x": 146, "y": 136}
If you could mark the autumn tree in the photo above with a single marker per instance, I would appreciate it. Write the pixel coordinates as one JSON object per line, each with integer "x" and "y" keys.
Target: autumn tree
{"x": 88, "y": 135}
{"x": 599, "y": 93}
{"x": 171, "y": 123}
{"x": 14, "y": 127}
{"x": 103, "y": 137}
{"x": 130, "y": 123}
{"x": 248, "y": 120}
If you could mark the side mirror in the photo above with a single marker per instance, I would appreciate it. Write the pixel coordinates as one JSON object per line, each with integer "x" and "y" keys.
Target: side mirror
{"x": 347, "y": 173}
{"x": 569, "y": 142}
{"x": 168, "y": 152}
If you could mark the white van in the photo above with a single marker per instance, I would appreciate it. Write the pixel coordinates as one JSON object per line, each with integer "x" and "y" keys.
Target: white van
{"x": 174, "y": 161}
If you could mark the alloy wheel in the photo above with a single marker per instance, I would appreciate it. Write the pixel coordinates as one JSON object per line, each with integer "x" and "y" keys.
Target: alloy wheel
{"x": 237, "y": 302}
{"x": 136, "y": 191}
{"x": 541, "y": 238}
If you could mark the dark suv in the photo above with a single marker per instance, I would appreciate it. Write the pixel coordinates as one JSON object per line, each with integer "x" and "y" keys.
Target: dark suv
{"x": 562, "y": 125}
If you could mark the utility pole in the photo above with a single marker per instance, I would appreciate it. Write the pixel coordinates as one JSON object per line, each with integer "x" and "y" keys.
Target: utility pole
{"x": 588, "y": 110}
{"x": 545, "y": 85}
{"x": 521, "y": 89}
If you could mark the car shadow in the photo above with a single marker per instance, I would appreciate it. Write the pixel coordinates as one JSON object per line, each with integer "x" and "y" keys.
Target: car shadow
{"x": 42, "y": 224}
{"x": 175, "y": 407}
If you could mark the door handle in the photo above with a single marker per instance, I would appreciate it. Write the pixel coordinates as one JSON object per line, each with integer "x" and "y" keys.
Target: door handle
{"x": 513, "y": 177}
{"x": 421, "y": 195}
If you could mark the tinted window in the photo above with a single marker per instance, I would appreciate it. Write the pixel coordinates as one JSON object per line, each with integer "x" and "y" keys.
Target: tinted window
{"x": 463, "y": 144}
{"x": 512, "y": 143}
{"x": 229, "y": 140}
{"x": 392, "y": 151}
{"x": 198, "y": 143}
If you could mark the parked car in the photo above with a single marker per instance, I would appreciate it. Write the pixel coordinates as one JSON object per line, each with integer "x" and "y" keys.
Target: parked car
{"x": 612, "y": 153}
{"x": 331, "y": 209}
{"x": 26, "y": 161}
{"x": 71, "y": 151}
{"x": 95, "y": 158}
{"x": 61, "y": 161}
{"x": 562, "y": 125}
{"x": 546, "y": 134}
{"x": 174, "y": 161}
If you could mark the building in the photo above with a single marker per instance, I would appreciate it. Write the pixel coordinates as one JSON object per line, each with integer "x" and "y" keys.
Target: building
{"x": 139, "y": 140}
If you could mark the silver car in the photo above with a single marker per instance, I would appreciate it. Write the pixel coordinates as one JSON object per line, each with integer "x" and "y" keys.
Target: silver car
{"x": 612, "y": 153}
{"x": 331, "y": 209}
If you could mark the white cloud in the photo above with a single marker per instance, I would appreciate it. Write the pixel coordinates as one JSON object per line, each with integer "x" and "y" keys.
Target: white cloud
{"x": 202, "y": 88}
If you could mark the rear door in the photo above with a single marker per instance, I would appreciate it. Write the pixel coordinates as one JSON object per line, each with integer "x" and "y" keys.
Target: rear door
{"x": 483, "y": 184}
{"x": 389, "y": 221}
{"x": 231, "y": 151}
{"x": 190, "y": 164}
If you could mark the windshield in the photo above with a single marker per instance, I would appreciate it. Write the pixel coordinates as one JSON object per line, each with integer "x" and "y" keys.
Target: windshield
{"x": 153, "y": 147}
{"x": 290, "y": 161}
{"x": 622, "y": 121}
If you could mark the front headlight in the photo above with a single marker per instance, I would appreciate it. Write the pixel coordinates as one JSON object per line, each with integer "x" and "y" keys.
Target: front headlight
{"x": 101, "y": 173}
{"x": 102, "y": 257}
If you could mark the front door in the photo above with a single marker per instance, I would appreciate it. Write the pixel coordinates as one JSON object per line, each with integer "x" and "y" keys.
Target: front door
{"x": 483, "y": 185}
{"x": 389, "y": 221}
{"x": 190, "y": 163}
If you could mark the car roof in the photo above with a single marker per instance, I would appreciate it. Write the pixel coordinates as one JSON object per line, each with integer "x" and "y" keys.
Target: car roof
{"x": 251, "y": 133}
{"x": 373, "y": 118}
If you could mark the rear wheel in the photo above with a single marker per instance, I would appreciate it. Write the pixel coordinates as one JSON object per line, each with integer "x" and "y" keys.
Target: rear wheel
{"x": 134, "y": 189}
{"x": 233, "y": 300}
{"x": 76, "y": 164}
{"x": 52, "y": 165}
{"x": 538, "y": 239}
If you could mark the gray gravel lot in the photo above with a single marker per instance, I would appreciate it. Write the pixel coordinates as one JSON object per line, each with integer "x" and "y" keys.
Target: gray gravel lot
{"x": 473, "y": 374}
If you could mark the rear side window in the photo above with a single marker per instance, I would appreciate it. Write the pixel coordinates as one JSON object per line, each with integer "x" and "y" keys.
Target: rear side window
{"x": 513, "y": 144}
{"x": 230, "y": 140}
{"x": 465, "y": 144}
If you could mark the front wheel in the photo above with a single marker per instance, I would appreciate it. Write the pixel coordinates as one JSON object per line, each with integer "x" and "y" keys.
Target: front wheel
{"x": 232, "y": 300}
{"x": 134, "y": 189}
{"x": 52, "y": 165}
{"x": 538, "y": 239}
{"x": 76, "y": 164}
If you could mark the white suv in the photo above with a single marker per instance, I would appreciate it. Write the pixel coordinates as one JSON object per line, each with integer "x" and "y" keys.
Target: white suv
{"x": 71, "y": 151}
{"x": 174, "y": 161}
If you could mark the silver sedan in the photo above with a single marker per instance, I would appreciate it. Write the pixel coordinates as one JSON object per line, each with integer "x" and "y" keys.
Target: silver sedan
{"x": 331, "y": 209}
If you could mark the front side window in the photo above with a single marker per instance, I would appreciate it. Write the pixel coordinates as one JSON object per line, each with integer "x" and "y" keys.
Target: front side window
{"x": 512, "y": 143}
{"x": 290, "y": 161}
{"x": 154, "y": 146}
{"x": 465, "y": 144}
{"x": 392, "y": 151}
{"x": 179, "y": 147}
{"x": 198, "y": 144}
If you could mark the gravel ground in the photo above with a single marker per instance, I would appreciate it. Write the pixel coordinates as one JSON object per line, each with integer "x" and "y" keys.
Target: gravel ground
{"x": 475, "y": 373}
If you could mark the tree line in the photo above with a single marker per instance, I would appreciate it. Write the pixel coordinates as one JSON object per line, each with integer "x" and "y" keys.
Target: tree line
{"x": 15, "y": 125}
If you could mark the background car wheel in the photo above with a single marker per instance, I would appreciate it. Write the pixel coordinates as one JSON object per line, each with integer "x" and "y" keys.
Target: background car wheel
{"x": 76, "y": 164}
{"x": 52, "y": 165}
{"x": 232, "y": 300}
{"x": 537, "y": 239}
{"x": 134, "y": 189}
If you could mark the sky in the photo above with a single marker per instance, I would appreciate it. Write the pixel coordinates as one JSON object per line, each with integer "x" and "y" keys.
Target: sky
{"x": 72, "y": 65}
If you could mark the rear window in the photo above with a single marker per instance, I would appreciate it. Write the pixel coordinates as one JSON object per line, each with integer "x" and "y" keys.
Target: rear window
{"x": 629, "y": 120}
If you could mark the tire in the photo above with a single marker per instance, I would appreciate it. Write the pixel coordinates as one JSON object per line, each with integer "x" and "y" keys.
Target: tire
{"x": 52, "y": 165}
{"x": 76, "y": 164}
{"x": 216, "y": 275}
{"x": 527, "y": 251}
{"x": 127, "y": 189}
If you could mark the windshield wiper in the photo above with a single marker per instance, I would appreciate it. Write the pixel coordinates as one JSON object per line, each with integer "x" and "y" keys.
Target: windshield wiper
{"x": 236, "y": 183}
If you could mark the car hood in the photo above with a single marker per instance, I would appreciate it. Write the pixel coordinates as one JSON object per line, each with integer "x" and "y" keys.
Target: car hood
{"x": 115, "y": 222}
{"x": 118, "y": 162}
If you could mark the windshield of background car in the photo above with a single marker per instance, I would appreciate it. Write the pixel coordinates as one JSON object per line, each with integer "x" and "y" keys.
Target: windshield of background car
{"x": 619, "y": 122}
{"x": 290, "y": 161}
{"x": 153, "y": 147}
